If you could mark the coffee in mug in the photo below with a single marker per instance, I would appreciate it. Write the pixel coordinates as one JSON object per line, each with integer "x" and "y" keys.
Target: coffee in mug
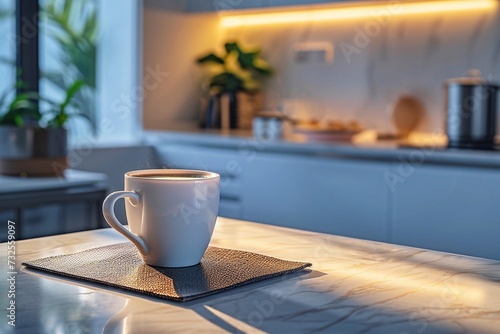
{"x": 171, "y": 214}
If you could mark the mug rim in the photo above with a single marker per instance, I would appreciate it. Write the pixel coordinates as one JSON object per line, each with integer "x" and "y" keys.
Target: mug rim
{"x": 147, "y": 173}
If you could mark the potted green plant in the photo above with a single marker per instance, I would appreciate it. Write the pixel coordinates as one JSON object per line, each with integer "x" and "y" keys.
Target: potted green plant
{"x": 73, "y": 26}
{"x": 233, "y": 85}
{"x": 34, "y": 143}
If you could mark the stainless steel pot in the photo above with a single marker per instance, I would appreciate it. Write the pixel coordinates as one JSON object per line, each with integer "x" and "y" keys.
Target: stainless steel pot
{"x": 269, "y": 125}
{"x": 471, "y": 112}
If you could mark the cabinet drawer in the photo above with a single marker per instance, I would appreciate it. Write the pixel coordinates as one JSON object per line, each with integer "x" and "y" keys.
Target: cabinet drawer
{"x": 449, "y": 209}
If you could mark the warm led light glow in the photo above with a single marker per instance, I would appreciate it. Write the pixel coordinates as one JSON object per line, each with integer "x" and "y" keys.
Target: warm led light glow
{"x": 381, "y": 11}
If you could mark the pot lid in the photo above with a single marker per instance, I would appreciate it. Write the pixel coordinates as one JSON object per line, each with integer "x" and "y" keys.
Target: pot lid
{"x": 473, "y": 78}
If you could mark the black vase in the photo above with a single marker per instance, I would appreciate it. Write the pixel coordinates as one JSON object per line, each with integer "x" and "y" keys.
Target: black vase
{"x": 233, "y": 110}
{"x": 210, "y": 118}
{"x": 221, "y": 112}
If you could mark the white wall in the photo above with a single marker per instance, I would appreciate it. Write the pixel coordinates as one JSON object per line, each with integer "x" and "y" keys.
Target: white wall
{"x": 172, "y": 40}
{"x": 120, "y": 93}
{"x": 411, "y": 54}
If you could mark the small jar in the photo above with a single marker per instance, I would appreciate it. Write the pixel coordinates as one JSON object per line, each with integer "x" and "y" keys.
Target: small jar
{"x": 269, "y": 125}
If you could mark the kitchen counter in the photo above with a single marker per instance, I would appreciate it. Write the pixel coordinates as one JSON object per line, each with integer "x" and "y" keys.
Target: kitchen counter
{"x": 354, "y": 286}
{"x": 21, "y": 196}
{"x": 72, "y": 178}
{"x": 382, "y": 150}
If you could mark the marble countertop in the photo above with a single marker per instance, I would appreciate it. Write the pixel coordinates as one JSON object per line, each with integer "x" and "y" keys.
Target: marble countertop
{"x": 386, "y": 150}
{"x": 354, "y": 286}
{"x": 72, "y": 178}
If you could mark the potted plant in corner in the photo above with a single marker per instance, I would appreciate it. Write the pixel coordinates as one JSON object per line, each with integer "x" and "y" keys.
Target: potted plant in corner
{"x": 233, "y": 86}
{"x": 34, "y": 143}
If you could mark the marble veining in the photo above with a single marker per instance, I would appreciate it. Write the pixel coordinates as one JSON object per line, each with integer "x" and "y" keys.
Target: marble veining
{"x": 355, "y": 286}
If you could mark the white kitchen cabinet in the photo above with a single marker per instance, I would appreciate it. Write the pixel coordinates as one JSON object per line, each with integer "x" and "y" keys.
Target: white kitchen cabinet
{"x": 313, "y": 193}
{"x": 329, "y": 195}
{"x": 449, "y": 208}
{"x": 449, "y": 202}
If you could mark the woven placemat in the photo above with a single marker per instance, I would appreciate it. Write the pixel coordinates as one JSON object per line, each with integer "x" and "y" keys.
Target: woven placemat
{"x": 120, "y": 265}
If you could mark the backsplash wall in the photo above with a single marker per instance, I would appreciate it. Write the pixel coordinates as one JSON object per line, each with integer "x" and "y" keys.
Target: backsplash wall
{"x": 412, "y": 55}
{"x": 408, "y": 55}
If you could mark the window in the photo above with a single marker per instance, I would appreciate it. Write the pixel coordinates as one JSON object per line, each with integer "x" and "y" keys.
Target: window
{"x": 7, "y": 46}
{"x": 68, "y": 48}
{"x": 97, "y": 42}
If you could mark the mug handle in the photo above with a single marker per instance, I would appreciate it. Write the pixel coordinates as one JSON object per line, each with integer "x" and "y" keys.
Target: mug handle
{"x": 108, "y": 210}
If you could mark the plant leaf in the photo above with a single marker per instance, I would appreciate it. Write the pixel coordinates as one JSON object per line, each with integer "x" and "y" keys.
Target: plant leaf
{"x": 7, "y": 61}
{"x": 246, "y": 60}
{"x": 232, "y": 46}
{"x": 66, "y": 12}
{"x": 72, "y": 90}
{"x": 56, "y": 78}
{"x": 89, "y": 28}
{"x": 226, "y": 82}
{"x": 5, "y": 13}
{"x": 18, "y": 120}
{"x": 84, "y": 116}
{"x": 210, "y": 58}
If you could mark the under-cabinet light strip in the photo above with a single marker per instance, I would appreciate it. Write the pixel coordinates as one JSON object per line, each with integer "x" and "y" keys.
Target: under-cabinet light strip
{"x": 340, "y": 13}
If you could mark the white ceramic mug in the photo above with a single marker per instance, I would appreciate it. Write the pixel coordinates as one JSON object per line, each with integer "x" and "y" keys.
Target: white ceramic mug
{"x": 171, "y": 214}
